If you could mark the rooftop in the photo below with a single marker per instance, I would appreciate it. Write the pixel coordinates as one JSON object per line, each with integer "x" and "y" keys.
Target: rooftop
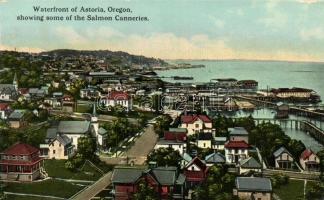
{"x": 253, "y": 184}
{"x": 74, "y": 127}
{"x": 238, "y": 131}
{"x": 20, "y": 149}
{"x": 237, "y": 144}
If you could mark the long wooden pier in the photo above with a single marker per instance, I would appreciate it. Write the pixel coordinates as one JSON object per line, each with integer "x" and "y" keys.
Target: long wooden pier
{"x": 316, "y": 132}
{"x": 292, "y": 110}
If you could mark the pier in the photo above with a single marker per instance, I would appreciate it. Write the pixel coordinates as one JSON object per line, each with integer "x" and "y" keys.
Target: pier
{"x": 292, "y": 110}
{"x": 308, "y": 127}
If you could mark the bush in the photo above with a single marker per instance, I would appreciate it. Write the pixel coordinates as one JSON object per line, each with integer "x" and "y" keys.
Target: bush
{"x": 278, "y": 180}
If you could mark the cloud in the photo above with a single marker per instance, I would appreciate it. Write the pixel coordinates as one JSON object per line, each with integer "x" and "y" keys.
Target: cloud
{"x": 275, "y": 18}
{"x": 313, "y": 33}
{"x": 3, "y": 1}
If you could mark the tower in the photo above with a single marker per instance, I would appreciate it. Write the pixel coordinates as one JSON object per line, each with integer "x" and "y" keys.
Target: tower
{"x": 94, "y": 122}
{"x": 15, "y": 82}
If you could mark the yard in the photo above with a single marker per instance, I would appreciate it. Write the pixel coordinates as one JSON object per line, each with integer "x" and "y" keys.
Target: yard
{"x": 48, "y": 187}
{"x": 293, "y": 190}
{"x": 56, "y": 169}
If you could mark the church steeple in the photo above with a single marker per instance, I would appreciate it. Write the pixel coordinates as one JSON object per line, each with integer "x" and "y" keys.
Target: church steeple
{"x": 15, "y": 82}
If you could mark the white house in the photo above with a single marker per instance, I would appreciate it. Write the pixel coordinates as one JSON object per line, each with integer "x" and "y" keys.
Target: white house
{"x": 115, "y": 98}
{"x": 283, "y": 159}
{"x": 175, "y": 145}
{"x": 195, "y": 123}
{"x": 205, "y": 140}
{"x": 235, "y": 151}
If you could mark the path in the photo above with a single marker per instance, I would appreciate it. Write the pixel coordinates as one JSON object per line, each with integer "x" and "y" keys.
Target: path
{"x": 138, "y": 152}
{"x": 93, "y": 189}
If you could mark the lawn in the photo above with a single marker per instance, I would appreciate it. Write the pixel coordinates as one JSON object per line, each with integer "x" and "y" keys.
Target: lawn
{"x": 16, "y": 197}
{"x": 48, "y": 187}
{"x": 293, "y": 190}
{"x": 56, "y": 169}
{"x": 81, "y": 108}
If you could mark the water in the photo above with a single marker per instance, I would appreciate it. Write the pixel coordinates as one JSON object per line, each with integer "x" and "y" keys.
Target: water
{"x": 271, "y": 74}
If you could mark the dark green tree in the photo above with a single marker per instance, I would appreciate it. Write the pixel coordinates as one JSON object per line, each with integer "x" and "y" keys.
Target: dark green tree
{"x": 145, "y": 192}
{"x": 164, "y": 157}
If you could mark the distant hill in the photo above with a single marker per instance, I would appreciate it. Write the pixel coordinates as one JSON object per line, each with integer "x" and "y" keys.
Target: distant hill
{"x": 124, "y": 57}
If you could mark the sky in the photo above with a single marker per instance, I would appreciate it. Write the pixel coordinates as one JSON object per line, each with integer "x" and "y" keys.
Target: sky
{"x": 290, "y": 30}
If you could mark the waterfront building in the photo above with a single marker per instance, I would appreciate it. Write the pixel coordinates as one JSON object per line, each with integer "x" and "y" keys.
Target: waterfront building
{"x": 253, "y": 188}
{"x": 164, "y": 181}
{"x": 21, "y": 162}
{"x": 309, "y": 160}
{"x": 283, "y": 158}
{"x": 195, "y": 123}
{"x": 282, "y": 110}
{"x": 235, "y": 151}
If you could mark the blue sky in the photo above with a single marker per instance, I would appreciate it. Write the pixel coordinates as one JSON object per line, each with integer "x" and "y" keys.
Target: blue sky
{"x": 187, "y": 29}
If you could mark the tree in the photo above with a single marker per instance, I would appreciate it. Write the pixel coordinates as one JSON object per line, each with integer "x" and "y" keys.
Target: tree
{"x": 2, "y": 194}
{"x": 162, "y": 124}
{"x": 316, "y": 192}
{"x": 164, "y": 157}
{"x": 87, "y": 147}
{"x": 145, "y": 192}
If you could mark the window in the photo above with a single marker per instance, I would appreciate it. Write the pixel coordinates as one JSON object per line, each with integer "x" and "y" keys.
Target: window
{"x": 60, "y": 145}
{"x": 197, "y": 125}
{"x": 192, "y": 168}
{"x": 53, "y": 151}
{"x": 204, "y": 144}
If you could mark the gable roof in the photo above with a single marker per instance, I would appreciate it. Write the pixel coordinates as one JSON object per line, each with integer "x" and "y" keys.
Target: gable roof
{"x": 196, "y": 161}
{"x": 126, "y": 175}
{"x": 189, "y": 119}
{"x": 17, "y": 114}
{"x": 63, "y": 139}
{"x": 251, "y": 184}
{"x": 306, "y": 153}
{"x": 165, "y": 175}
{"x": 215, "y": 158}
{"x": 237, "y": 144}
{"x": 280, "y": 151}
{"x": 20, "y": 149}
{"x": 250, "y": 163}
{"x": 74, "y": 127}
{"x": 186, "y": 157}
{"x": 238, "y": 131}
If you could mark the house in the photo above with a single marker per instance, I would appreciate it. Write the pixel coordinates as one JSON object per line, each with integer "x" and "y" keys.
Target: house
{"x": 195, "y": 123}
{"x": 215, "y": 159}
{"x": 58, "y": 148}
{"x": 4, "y": 109}
{"x": 236, "y": 151}
{"x": 36, "y": 93}
{"x": 248, "y": 165}
{"x": 205, "y": 140}
{"x": 67, "y": 103}
{"x": 309, "y": 160}
{"x": 115, "y": 98}
{"x": 176, "y": 145}
{"x": 283, "y": 159}
{"x": 219, "y": 143}
{"x": 17, "y": 119}
{"x": 239, "y": 134}
{"x": 164, "y": 181}
{"x": 195, "y": 171}
{"x": 253, "y": 188}
{"x": 21, "y": 162}
{"x": 9, "y": 92}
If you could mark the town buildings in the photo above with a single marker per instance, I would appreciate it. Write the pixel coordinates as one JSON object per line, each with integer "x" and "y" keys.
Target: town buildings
{"x": 253, "y": 188}
{"x": 283, "y": 158}
{"x": 195, "y": 123}
{"x": 309, "y": 160}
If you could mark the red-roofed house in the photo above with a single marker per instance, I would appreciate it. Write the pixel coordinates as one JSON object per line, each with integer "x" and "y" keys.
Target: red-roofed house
{"x": 195, "y": 123}
{"x": 236, "y": 151}
{"x": 309, "y": 160}
{"x": 117, "y": 98}
{"x": 20, "y": 162}
{"x": 4, "y": 108}
{"x": 195, "y": 171}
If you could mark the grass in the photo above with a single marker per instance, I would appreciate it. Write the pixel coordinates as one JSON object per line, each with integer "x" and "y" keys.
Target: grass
{"x": 56, "y": 169}
{"x": 81, "y": 108}
{"x": 16, "y": 197}
{"x": 293, "y": 190}
{"x": 48, "y": 187}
